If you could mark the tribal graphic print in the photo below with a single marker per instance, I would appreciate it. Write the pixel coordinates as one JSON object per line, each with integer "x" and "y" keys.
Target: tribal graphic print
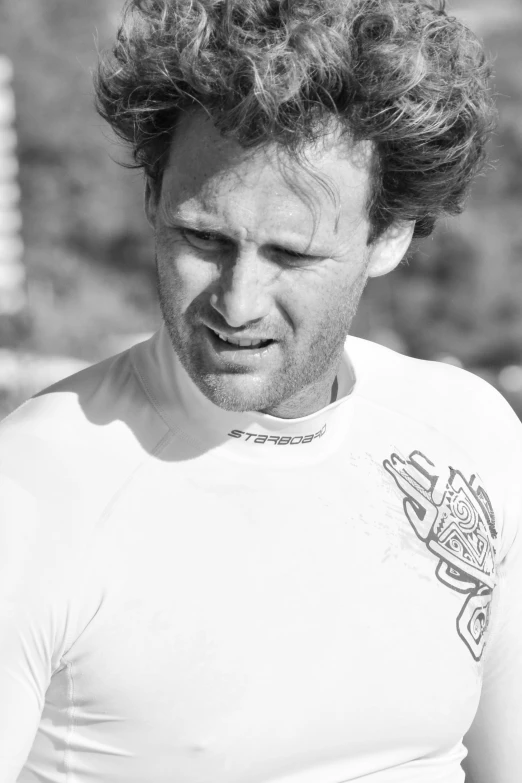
{"x": 455, "y": 519}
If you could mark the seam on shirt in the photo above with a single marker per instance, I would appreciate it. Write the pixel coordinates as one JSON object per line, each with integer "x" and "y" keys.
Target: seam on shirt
{"x": 72, "y": 638}
{"x": 495, "y": 621}
{"x": 71, "y": 726}
{"x": 189, "y": 437}
{"x": 407, "y": 415}
{"x": 165, "y": 440}
{"x": 356, "y": 395}
{"x": 496, "y": 617}
{"x": 148, "y": 392}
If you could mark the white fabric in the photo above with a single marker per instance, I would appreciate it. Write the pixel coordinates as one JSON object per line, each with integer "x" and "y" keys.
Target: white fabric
{"x": 190, "y": 595}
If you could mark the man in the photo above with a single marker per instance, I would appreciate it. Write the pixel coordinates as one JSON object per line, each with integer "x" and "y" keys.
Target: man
{"x": 254, "y": 549}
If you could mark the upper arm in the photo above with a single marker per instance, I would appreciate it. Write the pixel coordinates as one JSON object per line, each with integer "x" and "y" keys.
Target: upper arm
{"x": 27, "y": 626}
{"x": 494, "y": 741}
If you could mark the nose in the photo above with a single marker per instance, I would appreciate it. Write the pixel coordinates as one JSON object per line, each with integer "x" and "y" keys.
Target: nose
{"x": 242, "y": 291}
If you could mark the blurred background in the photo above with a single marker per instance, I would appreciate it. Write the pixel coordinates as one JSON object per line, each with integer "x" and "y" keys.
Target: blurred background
{"x": 77, "y": 278}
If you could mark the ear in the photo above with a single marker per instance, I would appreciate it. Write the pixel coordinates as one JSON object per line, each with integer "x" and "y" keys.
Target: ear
{"x": 150, "y": 203}
{"x": 390, "y": 248}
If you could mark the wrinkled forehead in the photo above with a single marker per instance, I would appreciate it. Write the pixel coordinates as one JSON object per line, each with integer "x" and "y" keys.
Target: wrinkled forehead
{"x": 329, "y": 181}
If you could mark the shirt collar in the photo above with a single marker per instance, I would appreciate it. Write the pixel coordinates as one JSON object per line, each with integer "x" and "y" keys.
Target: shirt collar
{"x": 247, "y": 436}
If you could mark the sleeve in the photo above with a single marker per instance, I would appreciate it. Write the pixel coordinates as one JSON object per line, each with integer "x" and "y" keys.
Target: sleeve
{"x": 494, "y": 741}
{"x": 25, "y": 654}
{"x": 40, "y": 557}
{"x": 25, "y": 638}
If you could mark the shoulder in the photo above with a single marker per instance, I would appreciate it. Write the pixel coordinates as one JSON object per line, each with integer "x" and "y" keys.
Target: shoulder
{"x": 88, "y": 431}
{"x": 443, "y": 396}
{"x": 459, "y": 408}
{"x": 64, "y": 455}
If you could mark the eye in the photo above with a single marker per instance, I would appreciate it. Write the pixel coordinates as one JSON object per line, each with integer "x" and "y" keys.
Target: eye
{"x": 202, "y": 240}
{"x": 293, "y": 258}
{"x": 296, "y": 256}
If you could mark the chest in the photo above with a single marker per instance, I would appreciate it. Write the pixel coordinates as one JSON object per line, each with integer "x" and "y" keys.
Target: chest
{"x": 290, "y": 614}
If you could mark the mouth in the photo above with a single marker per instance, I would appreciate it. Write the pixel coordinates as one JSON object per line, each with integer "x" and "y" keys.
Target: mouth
{"x": 240, "y": 344}
{"x": 238, "y": 353}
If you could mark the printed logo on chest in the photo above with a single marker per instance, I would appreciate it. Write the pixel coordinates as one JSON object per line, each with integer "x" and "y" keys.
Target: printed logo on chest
{"x": 454, "y": 518}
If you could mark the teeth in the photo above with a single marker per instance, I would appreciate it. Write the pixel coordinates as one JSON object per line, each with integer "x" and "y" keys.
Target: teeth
{"x": 241, "y": 343}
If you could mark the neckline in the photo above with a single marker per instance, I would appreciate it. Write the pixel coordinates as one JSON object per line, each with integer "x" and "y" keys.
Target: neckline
{"x": 248, "y": 436}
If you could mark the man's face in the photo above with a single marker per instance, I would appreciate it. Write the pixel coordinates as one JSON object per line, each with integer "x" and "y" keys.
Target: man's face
{"x": 252, "y": 249}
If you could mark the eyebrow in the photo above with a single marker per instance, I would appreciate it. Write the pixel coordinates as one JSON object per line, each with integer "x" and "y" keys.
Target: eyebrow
{"x": 204, "y": 222}
{"x": 196, "y": 222}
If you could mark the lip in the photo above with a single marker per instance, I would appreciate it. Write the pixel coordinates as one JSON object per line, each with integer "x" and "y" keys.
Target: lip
{"x": 226, "y": 353}
{"x": 242, "y": 337}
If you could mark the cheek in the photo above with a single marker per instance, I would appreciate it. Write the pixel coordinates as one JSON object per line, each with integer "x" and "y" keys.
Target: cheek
{"x": 323, "y": 301}
{"x": 183, "y": 273}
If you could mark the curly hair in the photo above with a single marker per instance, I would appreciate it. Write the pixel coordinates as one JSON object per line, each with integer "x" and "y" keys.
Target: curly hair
{"x": 401, "y": 74}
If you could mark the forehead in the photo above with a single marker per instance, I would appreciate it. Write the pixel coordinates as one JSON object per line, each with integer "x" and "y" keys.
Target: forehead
{"x": 255, "y": 190}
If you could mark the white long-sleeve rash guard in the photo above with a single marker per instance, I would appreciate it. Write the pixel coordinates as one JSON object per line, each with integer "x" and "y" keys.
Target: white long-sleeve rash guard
{"x": 191, "y": 595}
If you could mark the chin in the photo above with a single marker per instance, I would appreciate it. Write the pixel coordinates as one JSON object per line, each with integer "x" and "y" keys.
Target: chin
{"x": 236, "y": 393}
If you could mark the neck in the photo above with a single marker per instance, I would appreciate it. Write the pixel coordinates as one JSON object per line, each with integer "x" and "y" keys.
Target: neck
{"x": 249, "y": 435}
{"x": 335, "y": 390}
{"x": 309, "y": 400}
